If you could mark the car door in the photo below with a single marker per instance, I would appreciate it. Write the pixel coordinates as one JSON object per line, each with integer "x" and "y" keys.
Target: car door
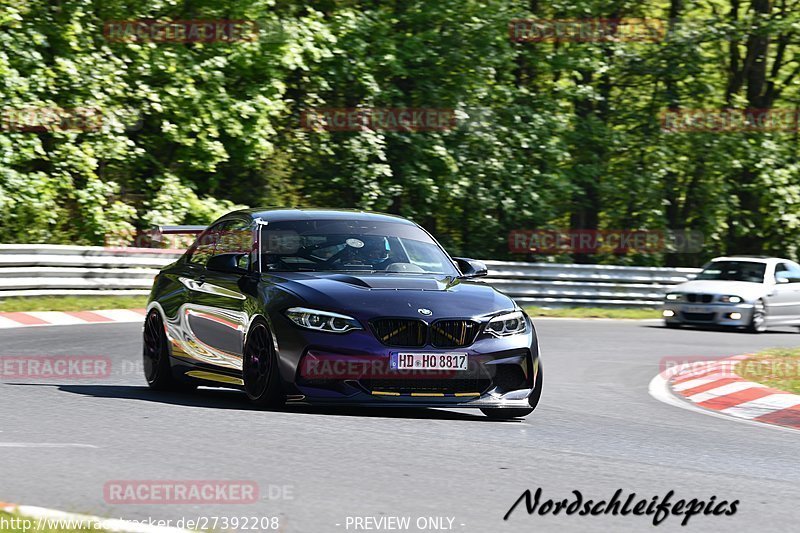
{"x": 215, "y": 314}
{"x": 191, "y": 275}
{"x": 783, "y": 299}
{"x": 792, "y": 290}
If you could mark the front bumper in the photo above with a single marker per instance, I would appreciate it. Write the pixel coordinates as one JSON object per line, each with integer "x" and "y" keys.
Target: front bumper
{"x": 355, "y": 369}
{"x": 734, "y": 315}
{"x": 424, "y": 392}
{"x": 361, "y": 399}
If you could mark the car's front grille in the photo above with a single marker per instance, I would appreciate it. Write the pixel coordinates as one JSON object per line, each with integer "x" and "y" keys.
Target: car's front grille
{"x": 411, "y": 333}
{"x": 704, "y": 298}
{"x": 453, "y": 333}
{"x": 423, "y": 385}
{"x": 698, "y": 317}
{"x": 400, "y": 331}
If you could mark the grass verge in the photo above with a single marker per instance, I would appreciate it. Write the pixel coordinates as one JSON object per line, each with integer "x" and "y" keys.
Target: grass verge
{"x": 71, "y": 303}
{"x": 593, "y": 312}
{"x": 778, "y": 368}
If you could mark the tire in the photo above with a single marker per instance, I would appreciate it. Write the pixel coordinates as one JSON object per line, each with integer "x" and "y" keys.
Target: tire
{"x": 758, "y": 322}
{"x": 155, "y": 355}
{"x": 260, "y": 368}
{"x": 498, "y": 413}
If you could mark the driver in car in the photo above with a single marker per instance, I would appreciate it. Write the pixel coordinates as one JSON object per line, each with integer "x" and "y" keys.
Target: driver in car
{"x": 373, "y": 253}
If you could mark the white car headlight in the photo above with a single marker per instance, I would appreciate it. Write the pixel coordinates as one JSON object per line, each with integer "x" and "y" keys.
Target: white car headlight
{"x": 508, "y": 324}
{"x": 674, "y": 296}
{"x": 322, "y": 320}
{"x": 731, "y": 299}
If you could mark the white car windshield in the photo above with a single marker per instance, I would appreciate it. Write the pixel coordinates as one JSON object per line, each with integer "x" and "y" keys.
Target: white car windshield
{"x": 750, "y": 271}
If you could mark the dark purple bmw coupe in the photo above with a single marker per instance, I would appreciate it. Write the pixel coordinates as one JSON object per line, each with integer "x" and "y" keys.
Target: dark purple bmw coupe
{"x": 335, "y": 307}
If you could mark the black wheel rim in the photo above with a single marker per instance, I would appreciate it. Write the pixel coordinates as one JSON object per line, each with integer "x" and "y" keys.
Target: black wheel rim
{"x": 153, "y": 345}
{"x": 257, "y": 362}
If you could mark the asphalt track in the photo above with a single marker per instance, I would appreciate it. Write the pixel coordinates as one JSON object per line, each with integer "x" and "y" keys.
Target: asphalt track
{"x": 596, "y": 430}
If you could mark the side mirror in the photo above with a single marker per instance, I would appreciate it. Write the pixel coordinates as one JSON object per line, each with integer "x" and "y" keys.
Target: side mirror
{"x": 780, "y": 280}
{"x": 228, "y": 263}
{"x": 471, "y": 268}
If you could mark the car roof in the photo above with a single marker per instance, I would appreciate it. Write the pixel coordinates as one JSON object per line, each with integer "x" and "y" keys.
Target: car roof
{"x": 751, "y": 258}
{"x": 296, "y": 213}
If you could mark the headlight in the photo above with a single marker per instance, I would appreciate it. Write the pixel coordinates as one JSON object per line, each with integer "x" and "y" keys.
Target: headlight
{"x": 730, "y": 299}
{"x": 508, "y": 324}
{"x": 673, "y": 296}
{"x": 322, "y": 320}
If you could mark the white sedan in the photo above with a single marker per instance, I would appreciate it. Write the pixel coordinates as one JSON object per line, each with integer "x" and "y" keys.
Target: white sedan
{"x": 749, "y": 292}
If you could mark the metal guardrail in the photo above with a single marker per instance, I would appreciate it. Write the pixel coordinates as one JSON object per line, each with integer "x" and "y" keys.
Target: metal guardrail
{"x": 49, "y": 269}
{"x": 568, "y": 285}
{"x": 34, "y": 270}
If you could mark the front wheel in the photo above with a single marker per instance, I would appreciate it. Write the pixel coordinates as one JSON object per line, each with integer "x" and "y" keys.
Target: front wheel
{"x": 260, "y": 368}
{"x": 758, "y": 322}
{"x": 498, "y": 413}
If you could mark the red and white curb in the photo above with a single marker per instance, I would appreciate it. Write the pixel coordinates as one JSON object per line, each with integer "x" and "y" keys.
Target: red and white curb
{"x": 69, "y": 318}
{"x": 42, "y": 519}
{"x": 716, "y": 389}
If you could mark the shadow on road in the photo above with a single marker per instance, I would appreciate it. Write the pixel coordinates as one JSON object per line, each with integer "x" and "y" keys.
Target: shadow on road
{"x": 231, "y": 399}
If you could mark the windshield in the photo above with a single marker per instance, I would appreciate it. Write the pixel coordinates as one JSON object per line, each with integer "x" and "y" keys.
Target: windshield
{"x": 350, "y": 245}
{"x": 734, "y": 271}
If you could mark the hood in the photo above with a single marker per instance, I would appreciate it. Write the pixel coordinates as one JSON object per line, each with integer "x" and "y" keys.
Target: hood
{"x": 396, "y": 295}
{"x": 723, "y": 287}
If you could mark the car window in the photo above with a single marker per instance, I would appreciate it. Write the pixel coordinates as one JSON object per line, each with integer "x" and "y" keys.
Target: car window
{"x": 343, "y": 245}
{"x": 229, "y": 236}
{"x": 422, "y": 254}
{"x": 203, "y": 248}
{"x": 792, "y": 272}
{"x": 236, "y": 237}
{"x": 750, "y": 271}
{"x": 782, "y": 271}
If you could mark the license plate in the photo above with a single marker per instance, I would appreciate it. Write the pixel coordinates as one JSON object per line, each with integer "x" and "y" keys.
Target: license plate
{"x": 697, "y": 309}
{"x": 430, "y": 361}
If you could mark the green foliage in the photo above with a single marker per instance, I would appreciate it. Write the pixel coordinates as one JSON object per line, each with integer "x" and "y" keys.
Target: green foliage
{"x": 550, "y": 134}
